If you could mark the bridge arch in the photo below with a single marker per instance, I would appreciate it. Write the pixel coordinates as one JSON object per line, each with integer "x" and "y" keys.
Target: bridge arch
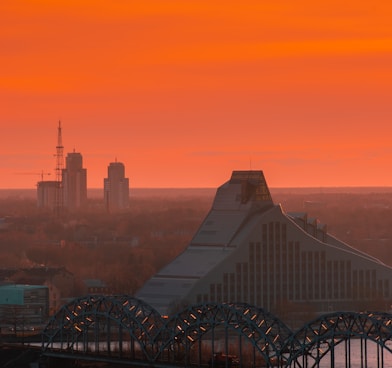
{"x": 320, "y": 338}
{"x": 116, "y": 326}
{"x": 246, "y": 333}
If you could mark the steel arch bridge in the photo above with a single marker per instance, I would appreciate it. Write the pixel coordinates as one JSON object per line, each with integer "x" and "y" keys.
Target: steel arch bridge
{"x": 195, "y": 334}
{"x": 319, "y": 339}
{"x": 127, "y": 330}
{"x": 117, "y": 326}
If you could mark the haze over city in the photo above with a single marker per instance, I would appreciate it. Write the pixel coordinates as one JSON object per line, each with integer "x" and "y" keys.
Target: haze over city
{"x": 184, "y": 92}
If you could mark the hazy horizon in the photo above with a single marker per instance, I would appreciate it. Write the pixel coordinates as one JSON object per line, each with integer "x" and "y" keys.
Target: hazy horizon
{"x": 209, "y": 191}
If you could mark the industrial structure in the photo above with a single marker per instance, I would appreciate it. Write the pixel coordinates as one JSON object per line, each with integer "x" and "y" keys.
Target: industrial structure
{"x": 59, "y": 172}
{"x": 50, "y": 193}
{"x": 248, "y": 250}
{"x": 116, "y": 188}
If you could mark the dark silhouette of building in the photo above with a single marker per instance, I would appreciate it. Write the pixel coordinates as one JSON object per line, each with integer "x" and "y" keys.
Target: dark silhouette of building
{"x": 249, "y": 250}
{"x": 116, "y": 188}
{"x": 74, "y": 182}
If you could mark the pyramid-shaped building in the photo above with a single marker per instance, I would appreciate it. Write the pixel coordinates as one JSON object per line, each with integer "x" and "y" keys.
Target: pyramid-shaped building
{"x": 249, "y": 250}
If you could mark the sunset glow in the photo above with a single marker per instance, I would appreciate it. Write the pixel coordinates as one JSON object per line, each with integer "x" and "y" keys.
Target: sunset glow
{"x": 185, "y": 92}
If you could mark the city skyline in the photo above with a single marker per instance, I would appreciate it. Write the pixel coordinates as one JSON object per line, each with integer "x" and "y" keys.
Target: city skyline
{"x": 70, "y": 191}
{"x": 185, "y": 92}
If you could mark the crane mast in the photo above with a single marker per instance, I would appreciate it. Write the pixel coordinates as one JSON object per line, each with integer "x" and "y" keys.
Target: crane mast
{"x": 59, "y": 172}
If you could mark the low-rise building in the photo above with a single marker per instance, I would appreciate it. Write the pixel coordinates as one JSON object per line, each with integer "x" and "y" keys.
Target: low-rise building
{"x": 60, "y": 282}
{"x": 23, "y": 306}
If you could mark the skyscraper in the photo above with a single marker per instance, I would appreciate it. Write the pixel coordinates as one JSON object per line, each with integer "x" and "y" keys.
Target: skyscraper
{"x": 116, "y": 187}
{"x": 74, "y": 182}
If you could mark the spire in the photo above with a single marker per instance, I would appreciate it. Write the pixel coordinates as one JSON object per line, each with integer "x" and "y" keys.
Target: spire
{"x": 59, "y": 137}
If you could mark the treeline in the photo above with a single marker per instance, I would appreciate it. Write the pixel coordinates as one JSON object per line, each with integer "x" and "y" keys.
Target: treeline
{"x": 122, "y": 249}
{"x": 125, "y": 249}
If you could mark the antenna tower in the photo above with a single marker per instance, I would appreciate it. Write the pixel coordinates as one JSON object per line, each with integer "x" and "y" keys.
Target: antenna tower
{"x": 59, "y": 172}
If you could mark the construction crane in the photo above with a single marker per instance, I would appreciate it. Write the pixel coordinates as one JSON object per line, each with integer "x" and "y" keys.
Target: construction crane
{"x": 41, "y": 174}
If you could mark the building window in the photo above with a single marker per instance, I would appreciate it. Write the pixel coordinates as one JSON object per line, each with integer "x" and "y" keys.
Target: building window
{"x": 225, "y": 287}
{"x": 284, "y": 233}
{"x": 232, "y": 287}
{"x": 329, "y": 280}
{"x": 219, "y": 293}
{"x": 277, "y": 233}
{"x": 239, "y": 281}
{"x": 360, "y": 281}
{"x": 374, "y": 284}
{"x": 264, "y": 234}
{"x": 271, "y": 233}
{"x": 367, "y": 284}
{"x": 355, "y": 284}
{"x": 386, "y": 288}
{"x": 348, "y": 280}
{"x": 245, "y": 281}
{"x": 380, "y": 288}
{"x": 212, "y": 292}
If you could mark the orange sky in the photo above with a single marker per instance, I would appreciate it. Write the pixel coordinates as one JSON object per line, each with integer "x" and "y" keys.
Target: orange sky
{"x": 183, "y": 92}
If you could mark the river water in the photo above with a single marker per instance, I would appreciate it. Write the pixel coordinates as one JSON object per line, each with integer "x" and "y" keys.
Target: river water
{"x": 370, "y": 357}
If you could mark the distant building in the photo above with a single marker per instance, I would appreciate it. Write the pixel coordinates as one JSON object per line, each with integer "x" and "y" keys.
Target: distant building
{"x": 116, "y": 188}
{"x": 249, "y": 250}
{"x": 60, "y": 282}
{"x": 95, "y": 286}
{"x": 46, "y": 194}
{"x": 23, "y": 305}
{"x": 74, "y": 178}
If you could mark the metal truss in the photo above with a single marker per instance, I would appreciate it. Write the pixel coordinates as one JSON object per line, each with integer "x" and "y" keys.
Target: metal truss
{"x": 320, "y": 338}
{"x": 241, "y": 335}
{"x": 115, "y": 326}
{"x": 234, "y": 326}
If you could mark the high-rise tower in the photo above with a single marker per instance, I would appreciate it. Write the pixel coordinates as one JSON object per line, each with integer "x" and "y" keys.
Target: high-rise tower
{"x": 116, "y": 188}
{"x": 74, "y": 182}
